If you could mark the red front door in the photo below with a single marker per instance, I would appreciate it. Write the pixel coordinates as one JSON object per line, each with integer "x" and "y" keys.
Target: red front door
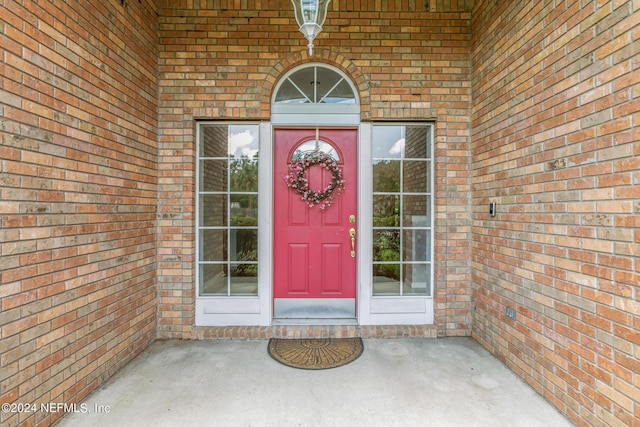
{"x": 314, "y": 262}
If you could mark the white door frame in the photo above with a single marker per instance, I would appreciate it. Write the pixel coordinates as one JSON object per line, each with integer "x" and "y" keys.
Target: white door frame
{"x": 369, "y": 310}
{"x": 258, "y": 310}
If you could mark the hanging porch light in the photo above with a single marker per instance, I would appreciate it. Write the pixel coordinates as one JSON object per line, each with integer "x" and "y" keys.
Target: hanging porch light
{"x": 310, "y": 15}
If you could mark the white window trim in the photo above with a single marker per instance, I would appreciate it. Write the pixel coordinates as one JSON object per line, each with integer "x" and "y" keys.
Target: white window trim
{"x": 257, "y": 311}
{"x": 212, "y": 310}
{"x": 323, "y": 114}
{"x": 387, "y": 310}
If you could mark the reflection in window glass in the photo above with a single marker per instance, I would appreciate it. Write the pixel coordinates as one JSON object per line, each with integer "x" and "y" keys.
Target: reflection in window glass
{"x": 289, "y": 93}
{"x": 388, "y": 142}
{"x": 213, "y": 279}
{"x": 243, "y": 176}
{"x": 228, "y": 209}
{"x": 415, "y": 244}
{"x": 416, "y": 212}
{"x": 243, "y": 279}
{"x": 386, "y": 279}
{"x": 402, "y": 236}
{"x": 314, "y": 146}
{"x": 213, "y": 210}
{"x": 213, "y": 245}
{"x": 416, "y": 279}
{"x": 386, "y": 245}
{"x": 414, "y": 176}
{"x": 386, "y": 176}
{"x": 213, "y": 175}
{"x": 244, "y": 245}
{"x": 341, "y": 93}
{"x": 244, "y": 209}
{"x": 386, "y": 211}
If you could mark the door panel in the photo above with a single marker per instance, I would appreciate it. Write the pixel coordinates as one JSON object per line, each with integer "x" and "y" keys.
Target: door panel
{"x": 298, "y": 277}
{"x": 332, "y": 280}
{"x": 312, "y": 246}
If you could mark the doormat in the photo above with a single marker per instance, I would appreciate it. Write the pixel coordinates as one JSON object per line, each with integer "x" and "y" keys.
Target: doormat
{"x": 315, "y": 353}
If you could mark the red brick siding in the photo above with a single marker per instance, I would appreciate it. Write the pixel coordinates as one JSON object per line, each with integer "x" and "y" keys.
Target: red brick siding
{"x": 78, "y": 153}
{"x": 555, "y": 145}
{"x": 220, "y": 60}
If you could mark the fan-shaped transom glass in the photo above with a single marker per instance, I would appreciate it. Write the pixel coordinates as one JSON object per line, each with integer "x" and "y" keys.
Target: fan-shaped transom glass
{"x": 314, "y": 146}
{"x": 315, "y": 85}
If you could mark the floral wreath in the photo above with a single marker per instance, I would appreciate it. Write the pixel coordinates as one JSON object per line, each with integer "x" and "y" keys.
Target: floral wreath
{"x": 298, "y": 182}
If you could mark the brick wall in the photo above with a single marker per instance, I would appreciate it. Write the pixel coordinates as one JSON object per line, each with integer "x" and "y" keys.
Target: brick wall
{"x": 78, "y": 153}
{"x": 552, "y": 131}
{"x": 555, "y": 145}
{"x": 220, "y": 59}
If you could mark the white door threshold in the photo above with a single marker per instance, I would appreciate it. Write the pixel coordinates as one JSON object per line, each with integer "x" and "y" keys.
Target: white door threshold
{"x": 314, "y": 308}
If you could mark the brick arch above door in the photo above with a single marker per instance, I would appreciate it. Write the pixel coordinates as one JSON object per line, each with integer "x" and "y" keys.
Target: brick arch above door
{"x": 322, "y": 56}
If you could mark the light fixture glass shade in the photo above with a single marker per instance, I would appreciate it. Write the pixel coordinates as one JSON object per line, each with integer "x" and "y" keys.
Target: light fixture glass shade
{"x": 310, "y": 15}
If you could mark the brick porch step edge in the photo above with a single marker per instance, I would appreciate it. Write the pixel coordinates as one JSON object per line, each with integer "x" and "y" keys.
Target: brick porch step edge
{"x": 313, "y": 331}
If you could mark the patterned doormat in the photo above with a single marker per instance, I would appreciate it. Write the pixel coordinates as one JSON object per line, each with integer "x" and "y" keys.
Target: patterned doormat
{"x": 315, "y": 353}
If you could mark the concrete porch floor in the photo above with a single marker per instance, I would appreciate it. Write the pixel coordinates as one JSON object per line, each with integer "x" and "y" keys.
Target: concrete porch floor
{"x": 396, "y": 382}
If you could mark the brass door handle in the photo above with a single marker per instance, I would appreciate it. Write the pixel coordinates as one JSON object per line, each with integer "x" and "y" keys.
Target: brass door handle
{"x": 352, "y": 233}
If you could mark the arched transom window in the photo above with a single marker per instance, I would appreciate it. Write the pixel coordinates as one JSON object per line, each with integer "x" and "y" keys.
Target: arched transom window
{"x": 315, "y": 84}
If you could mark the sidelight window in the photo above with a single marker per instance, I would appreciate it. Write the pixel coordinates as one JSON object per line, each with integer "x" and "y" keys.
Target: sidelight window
{"x": 402, "y": 210}
{"x": 227, "y": 209}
